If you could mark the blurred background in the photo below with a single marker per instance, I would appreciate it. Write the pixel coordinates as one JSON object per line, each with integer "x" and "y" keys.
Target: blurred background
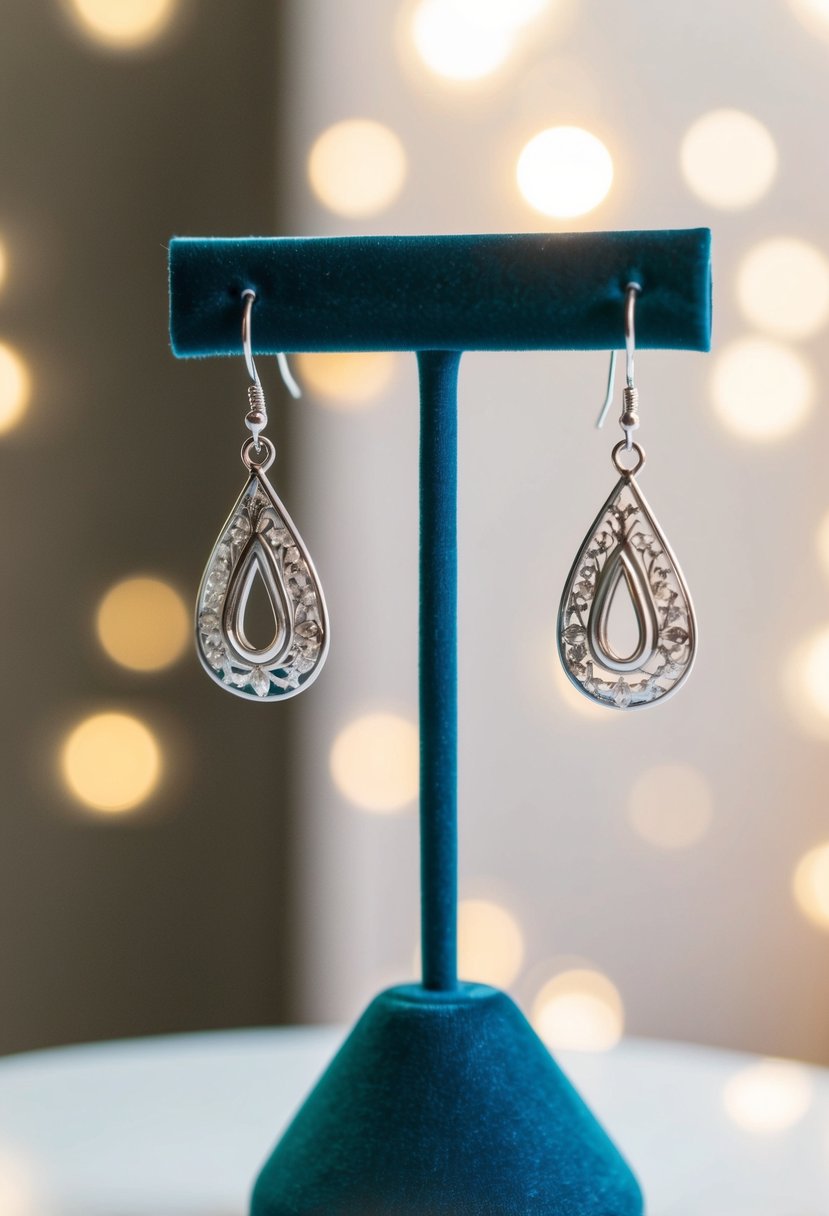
{"x": 173, "y": 858}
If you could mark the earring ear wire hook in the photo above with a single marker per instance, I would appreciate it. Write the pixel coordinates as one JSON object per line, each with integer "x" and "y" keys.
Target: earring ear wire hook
{"x": 249, "y": 296}
{"x": 608, "y": 397}
{"x": 287, "y": 376}
{"x": 631, "y": 292}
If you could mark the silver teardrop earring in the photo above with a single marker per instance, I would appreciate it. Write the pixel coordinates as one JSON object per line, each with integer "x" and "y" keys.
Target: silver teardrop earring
{"x": 625, "y": 546}
{"x": 259, "y": 540}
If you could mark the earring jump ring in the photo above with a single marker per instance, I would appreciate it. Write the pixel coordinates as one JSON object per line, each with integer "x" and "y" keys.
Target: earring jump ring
{"x": 620, "y": 447}
{"x": 250, "y": 454}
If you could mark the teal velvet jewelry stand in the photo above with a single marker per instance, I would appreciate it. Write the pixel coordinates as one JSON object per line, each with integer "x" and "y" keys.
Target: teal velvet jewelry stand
{"x": 442, "y": 1101}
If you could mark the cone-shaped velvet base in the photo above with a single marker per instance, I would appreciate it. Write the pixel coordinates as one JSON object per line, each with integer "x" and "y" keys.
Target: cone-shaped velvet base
{"x": 445, "y": 1105}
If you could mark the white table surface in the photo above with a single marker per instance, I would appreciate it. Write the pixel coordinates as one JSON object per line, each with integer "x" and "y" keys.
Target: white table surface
{"x": 174, "y": 1126}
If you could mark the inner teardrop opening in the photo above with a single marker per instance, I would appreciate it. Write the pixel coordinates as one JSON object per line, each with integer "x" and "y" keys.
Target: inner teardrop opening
{"x": 260, "y": 624}
{"x": 623, "y": 627}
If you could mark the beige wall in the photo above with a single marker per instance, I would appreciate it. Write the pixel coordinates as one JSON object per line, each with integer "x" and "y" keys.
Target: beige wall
{"x": 175, "y": 916}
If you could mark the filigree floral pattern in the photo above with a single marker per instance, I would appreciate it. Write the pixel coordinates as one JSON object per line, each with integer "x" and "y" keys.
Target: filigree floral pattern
{"x": 626, "y": 528}
{"x": 300, "y": 617}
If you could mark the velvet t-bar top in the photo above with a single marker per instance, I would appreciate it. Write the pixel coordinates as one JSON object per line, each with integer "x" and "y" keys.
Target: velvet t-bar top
{"x": 526, "y": 291}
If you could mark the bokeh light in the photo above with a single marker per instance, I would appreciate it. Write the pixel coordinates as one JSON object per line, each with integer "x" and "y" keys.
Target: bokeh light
{"x": 564, "y": 171}
{"x": 20, "y": 1195}
{"x": 670, "y": 806}
{"x": 575, "y": 701}
{"x": 357, "y": 167}
{"x": 813, "y": 15}
{"x": 143, "y": 624}
{"x": 783, "y": 287}
{"x": 15, "y": 387}
{"x": 811, "y": 885}
{"x": 375, "y": 762}
{"x": 123, "y": 25}
{"x": 347, "y": 380}
{"x": 761, "y": 389}
{"x": 490, "y": 943}
{"x": 728, "y": 159}
{"x": 503, "y": 14}
{"x": 816, "y": 672}
{"x": 806, "y": 682}
{"x": 768, "y": 1097}
{"x": 579, "y": 1010}
{"x": 111, "y": 762}
{"x": 453, "y": 44}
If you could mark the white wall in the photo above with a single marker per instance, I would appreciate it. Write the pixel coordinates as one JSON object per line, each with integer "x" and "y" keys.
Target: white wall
{"x": 705, "y": 943}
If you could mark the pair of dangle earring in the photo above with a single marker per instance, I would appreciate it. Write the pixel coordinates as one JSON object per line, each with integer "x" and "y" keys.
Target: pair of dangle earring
{"x": 260, "y": 541}
{"x": 625, "y": 547}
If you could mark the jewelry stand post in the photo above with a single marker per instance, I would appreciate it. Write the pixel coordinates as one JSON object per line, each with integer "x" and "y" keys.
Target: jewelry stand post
{"x": 442, "y": 1101}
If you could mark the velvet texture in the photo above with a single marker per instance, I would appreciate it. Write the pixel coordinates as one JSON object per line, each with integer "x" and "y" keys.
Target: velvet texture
{"x": 548, "y": 291}
{"x": 444, "y": 1105}
{"x": 438, "y": 666}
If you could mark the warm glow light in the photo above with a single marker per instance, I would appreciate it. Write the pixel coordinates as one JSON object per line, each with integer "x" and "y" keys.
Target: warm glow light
{"x": 670, "y": 806}
{"x": 814, "y": 15}
{"x": 564, "y": 171}
{"x": 816, "y": 673}
{"x": 505, "y": 14}
{"x": 18, "y": 1193}
{"x": 768, "y": 1097}
{"x": 347, "y": 381}
{"x": 783, "y": 286}
{"x": 728, "y": 159}
{"x": 453, "y": 43}
{"x": 111, "y": 762}
{"x": 490, "y": 943}
{"x": 806, "y": 678}
{"x": 357, "y": 167}
{"x": 123, "y": 25}
{"x": 579, "y": 1010}
{"x": 576, "y": 701}
{"x": 811, "y": 885}
{"x": 4, "y": 263}
{"x": 761, "y": 390}
{"x": 375, "y": 762}
{"x": 143, "y": 624}
{"x": 15, "y": 387}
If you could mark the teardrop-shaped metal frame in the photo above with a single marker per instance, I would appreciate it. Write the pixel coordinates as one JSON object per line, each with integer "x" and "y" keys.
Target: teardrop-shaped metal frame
{"x": 588, "y": 643}
{"x": 259, "y": 539}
